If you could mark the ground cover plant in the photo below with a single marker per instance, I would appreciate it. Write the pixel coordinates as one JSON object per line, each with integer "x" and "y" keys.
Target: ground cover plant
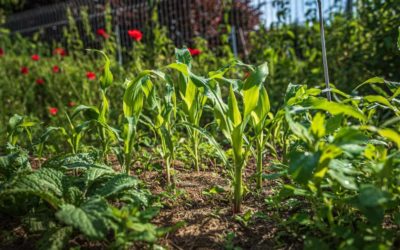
{"x": 187, "y": 150}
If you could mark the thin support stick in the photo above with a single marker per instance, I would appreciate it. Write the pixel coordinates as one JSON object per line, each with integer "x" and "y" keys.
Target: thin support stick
{"x": 324, "y": 59}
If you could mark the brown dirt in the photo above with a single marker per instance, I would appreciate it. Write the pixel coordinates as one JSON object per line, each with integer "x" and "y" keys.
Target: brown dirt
{"x": 209, "y": 219}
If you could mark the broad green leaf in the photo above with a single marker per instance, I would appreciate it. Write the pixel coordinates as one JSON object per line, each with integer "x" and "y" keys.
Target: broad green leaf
{"x": 14, "y": 163}
{"x": 318, "y": 125}
{"x": 116, "y": 184}
{"x": 342, "y": 172}
{"x": 298, "y": 129}
{"x": 347, "y": 135}
{"x": 55, "y": 239}
{"x": 391, "y": 135}
{"x": 302, "y": 166}
{"x": 183, "y": 56}
{"x": 90, "y": 218}
{"x": 45, "y": 183}
{"x": 333, "y": 107}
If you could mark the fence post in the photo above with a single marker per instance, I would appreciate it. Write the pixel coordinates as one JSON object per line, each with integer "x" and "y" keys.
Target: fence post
{"x": 118, "y": 36}
{"x": 324, "y": 57}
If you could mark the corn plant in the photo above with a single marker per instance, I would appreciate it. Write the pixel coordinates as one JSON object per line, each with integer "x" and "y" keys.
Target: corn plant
{"x": 193, "y": 100}
{"x": 98, "y": 117}
{"x": 258, "y": 122}
{"x": 17, "y": 126}
{"x": 232, "y": 120}
{"x": 163, "y": 125}
{"x": 136, "y": 94}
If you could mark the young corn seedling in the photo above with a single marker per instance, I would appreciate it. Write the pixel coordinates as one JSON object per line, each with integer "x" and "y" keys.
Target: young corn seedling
{"x": 163, "y": 126}
{"x": 193, "y": 98}
{"x": 258, "y": 122}
{"x": 98, "y": 118}
{"x": 233, "y": 120}
{"x": 136, "y": 94}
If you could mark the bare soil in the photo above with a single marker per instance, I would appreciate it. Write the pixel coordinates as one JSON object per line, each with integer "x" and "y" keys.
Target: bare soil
{"x": 208, "y": 218}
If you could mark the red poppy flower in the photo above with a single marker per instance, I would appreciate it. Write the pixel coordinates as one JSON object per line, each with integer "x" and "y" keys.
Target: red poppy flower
{"x": 59, "y": 51}
{"x": 194, "y": 52}
{"x": 71, "y": 104}
{"x": 39, "y": 81}
{"x": 90, "y": 75}
{"x": 24, "y": 70}
{"x": 103, "y": 33}
{"x": 136, "y": 35}
{"x": 53, "y": 111}
{"x": 1, "y": 52}
{"x": 35, "y": 57}
{"x": 56, "y": 69}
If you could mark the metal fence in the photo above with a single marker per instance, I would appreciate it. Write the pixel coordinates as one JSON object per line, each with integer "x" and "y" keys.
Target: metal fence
{"x": 184, "y": 19}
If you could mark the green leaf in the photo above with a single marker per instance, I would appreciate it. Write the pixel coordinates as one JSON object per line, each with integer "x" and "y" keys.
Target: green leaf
{"x": 91, "y": 218}
{"x": 252, "y": 87}
{"x": 342, "y": 172}
{"x": 55, "y": 239}
{"x": 381, "y": 100}
{"x": 14, "y": 163}
{"x": 318, "y": 125}
{"x": 302, "y": 166}
{"x": 372, "y": 80}
{"x": 333, "y": 107}
{"x": 298, "y": 129}
{"x": 183, "y": 56}
{"x": 117, "y": 184}
{"x": 45, "y": 183}
{"x": 391, "y": 135}
{"x": 371, "y": 196}
{"x": 347, "y": 136}
{"x": 210, "y": 139}
{"x": 233, "y": 109}
{"x": 107, "y": 77}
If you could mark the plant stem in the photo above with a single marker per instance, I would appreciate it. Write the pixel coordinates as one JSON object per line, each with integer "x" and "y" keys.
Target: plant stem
{"x": 324, "y": 57}
{"x": 259, "y": 161}
{"x": 168, "y": 167}
{"x": 127, "y": 162}
{"x": 196, "y": 151}
{"x": 237, "y": 189}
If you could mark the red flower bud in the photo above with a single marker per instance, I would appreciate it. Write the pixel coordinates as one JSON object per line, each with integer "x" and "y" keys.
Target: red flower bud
{"x": 59, "y": 51}
{"x": 103, "y": 33}
{"x": 35, "y": 57}
{"x": 71, "y": 104}
{"x": 1, "y": 52}
{"x": 194, "y": 52}
{"x": 39, "y": 81}
{"x": 24, "y": 70}
{"x": 53, "y": 111}
{"x": 136, "y": 35}
{"x": 90, "y": 75}
{"x": 56, "y": 69}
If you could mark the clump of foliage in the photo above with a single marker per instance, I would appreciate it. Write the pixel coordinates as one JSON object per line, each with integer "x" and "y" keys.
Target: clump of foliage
{"x": 73, "y": 195}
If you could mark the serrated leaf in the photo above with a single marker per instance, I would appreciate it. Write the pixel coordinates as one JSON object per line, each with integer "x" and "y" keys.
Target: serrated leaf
{"x": 55, "y": 239}
{"x": 116, "y": 184}
{"x": 90, "y": 218}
